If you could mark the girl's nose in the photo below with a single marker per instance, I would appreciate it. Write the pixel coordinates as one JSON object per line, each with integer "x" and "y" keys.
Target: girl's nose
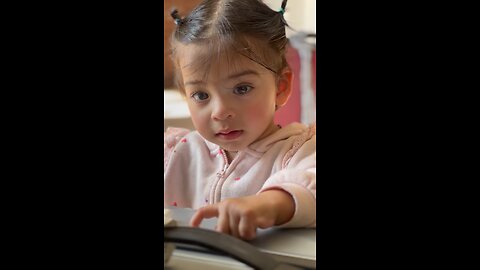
{"x": 221, "y": 111}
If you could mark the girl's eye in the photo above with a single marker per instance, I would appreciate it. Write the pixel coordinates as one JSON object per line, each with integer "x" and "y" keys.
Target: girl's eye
{"x": 200, "y": 96}
{"x": 242, "y": 90}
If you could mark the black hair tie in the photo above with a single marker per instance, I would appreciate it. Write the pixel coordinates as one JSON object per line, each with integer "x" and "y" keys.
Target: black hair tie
{"x": 175, "y": 16}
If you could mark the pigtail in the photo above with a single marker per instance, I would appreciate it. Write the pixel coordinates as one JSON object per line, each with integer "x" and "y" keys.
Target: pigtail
{"x": 282, "y": 11}
{"x": 284, "y": 4}
{"x": 176, "y": 17}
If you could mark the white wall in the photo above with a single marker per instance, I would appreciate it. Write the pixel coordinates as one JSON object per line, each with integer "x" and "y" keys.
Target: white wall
{"x": 300, "y": 14}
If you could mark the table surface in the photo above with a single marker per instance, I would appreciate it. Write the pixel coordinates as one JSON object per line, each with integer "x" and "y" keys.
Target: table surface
{"x": 293, "y": 246}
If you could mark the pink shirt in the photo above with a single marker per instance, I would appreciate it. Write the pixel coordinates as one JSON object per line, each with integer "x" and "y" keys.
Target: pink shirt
{"x": 197, "y": 172}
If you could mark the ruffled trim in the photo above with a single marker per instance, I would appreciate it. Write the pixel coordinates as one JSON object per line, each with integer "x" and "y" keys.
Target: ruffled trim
{"x": 298, "y": 142}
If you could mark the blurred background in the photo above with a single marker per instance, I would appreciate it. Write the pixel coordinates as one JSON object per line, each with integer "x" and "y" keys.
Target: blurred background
{"x": 301, "y": 55}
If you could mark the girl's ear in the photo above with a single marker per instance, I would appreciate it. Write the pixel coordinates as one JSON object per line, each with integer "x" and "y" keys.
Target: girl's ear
{"x": 284, "y": 87}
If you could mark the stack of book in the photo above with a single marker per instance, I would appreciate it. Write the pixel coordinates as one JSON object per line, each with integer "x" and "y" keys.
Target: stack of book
{"x": 168, "y": 248}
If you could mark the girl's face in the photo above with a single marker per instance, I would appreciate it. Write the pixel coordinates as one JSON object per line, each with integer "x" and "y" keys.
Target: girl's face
{"x": 234, "y": 105}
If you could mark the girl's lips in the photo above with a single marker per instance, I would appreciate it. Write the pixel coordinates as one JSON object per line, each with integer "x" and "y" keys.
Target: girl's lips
{"x": 230, "y": 135}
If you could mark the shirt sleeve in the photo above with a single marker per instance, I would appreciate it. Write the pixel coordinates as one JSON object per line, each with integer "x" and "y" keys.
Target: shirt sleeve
{"x": 298, "y": 178}
{"x": 170, "y": 139}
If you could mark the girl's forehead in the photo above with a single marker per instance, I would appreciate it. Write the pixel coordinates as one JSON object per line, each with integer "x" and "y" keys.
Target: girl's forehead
{"x": 200, "y": 60}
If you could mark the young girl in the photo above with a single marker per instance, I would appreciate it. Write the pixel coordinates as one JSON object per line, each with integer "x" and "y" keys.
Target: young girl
{"x": 238, "y": 165}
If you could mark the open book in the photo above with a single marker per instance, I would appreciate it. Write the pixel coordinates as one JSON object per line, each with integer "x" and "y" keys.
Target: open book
{"x": 177, "y": 231}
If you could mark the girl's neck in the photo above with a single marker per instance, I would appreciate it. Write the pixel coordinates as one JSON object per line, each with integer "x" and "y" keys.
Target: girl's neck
{"x": 272, "y": 128}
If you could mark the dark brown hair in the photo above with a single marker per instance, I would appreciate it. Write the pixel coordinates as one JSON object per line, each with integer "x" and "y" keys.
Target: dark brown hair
{"x": 232, "y": 27}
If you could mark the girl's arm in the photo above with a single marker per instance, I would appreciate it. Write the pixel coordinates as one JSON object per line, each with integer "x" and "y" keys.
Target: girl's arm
{"x": 170, "y": 139}
{"x": 298, "y": 178}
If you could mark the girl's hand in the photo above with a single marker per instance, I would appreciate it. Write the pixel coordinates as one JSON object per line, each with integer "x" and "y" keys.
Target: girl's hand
{"x": 241, "y": 217}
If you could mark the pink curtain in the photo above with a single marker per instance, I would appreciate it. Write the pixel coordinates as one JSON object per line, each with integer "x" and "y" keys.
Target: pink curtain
{"x": 291, "y": 111}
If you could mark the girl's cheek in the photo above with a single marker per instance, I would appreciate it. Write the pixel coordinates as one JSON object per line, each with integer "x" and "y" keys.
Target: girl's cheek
{"x": 259, "y": 109}
{"x": 199, "y": 118}
{"x": 194, "y": 113}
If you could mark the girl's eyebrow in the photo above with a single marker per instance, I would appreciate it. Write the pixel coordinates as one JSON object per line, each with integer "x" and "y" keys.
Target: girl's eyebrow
{"x": 230, "y": 77}
{"x": 243, "y": 73}
{"x": 194, "y": 82}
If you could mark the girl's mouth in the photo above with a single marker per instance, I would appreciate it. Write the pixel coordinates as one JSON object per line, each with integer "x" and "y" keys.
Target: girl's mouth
{"x": 229, "y": 134}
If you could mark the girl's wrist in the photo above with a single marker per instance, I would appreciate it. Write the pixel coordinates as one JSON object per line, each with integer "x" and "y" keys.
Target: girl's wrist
{"x": 282, "y": 202}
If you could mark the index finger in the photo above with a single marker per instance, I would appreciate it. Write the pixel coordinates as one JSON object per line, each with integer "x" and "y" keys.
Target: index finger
{"x": 208, "y": 211}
